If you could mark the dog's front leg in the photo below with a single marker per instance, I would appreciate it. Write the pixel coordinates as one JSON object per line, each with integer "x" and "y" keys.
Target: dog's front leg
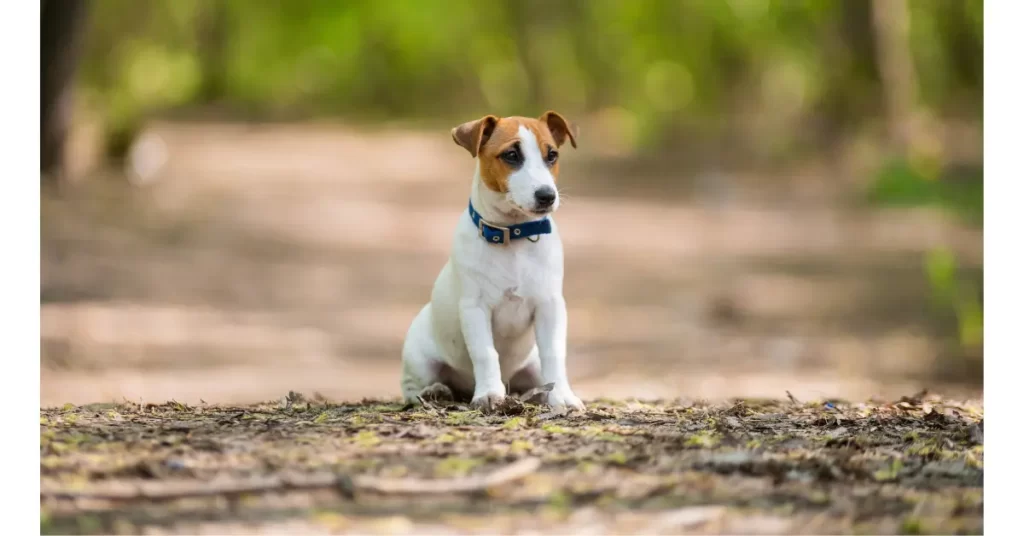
{"x": 476, "y": 330}
{"x": 551, "y": 330}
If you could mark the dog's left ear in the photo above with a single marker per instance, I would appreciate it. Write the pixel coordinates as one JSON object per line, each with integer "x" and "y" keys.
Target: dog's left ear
{"x": 560, "y": 128}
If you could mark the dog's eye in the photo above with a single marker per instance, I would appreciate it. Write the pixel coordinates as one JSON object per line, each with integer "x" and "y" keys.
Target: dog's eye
{"x": 552, "y": 156}
{"x": 512, "y": 157}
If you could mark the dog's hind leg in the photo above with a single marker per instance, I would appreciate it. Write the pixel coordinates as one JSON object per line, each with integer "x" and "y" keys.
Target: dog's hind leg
{"x": 421, "y": 364}
{"x": 425, "y": 374}
{"x": 436, "y": 392}
{"x": 420, "y": 376}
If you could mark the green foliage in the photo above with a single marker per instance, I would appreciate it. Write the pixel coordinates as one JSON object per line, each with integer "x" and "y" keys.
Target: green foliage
{"x": 919, "y": 182}
{"x": 951, "y": 293}
{"x": 652, "y": 65}
{"x": 908, "y": 183}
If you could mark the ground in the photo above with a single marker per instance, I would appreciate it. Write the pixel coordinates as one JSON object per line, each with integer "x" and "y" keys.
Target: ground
{"x": 247, "y": 267}
{"x": 310, "y": 466}
{"x": 260, "y": 259}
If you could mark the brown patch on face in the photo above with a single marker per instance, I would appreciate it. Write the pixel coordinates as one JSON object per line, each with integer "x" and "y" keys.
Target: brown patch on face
{"x": 489, "y": 137}
{"x": 494, "y": 171}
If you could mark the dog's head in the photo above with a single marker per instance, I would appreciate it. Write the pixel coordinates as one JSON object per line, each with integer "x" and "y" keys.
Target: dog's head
{"x": 518, "y": 157}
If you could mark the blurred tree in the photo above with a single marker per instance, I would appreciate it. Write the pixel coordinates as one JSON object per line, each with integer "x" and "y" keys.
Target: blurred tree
{"x": 851, "y": 48}
{"x": 63, "y": 25}
{"x": 212, "y": 50}
{"x": 895, "y": 58}
{"x": 655, "y": 67}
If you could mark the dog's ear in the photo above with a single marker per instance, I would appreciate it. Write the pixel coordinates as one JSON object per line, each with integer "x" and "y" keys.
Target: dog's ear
{"x": 560, "y": 128}
{"x": 474, "y": 134}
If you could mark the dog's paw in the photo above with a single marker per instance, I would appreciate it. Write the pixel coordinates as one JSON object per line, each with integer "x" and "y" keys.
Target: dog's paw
{"x": 488, "y": 402}
{"x": 564, "y": 399}
{"x": 436, "y": 392}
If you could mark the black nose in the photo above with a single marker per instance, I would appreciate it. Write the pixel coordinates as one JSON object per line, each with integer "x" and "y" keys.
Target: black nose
{"x": 545, "y": 196}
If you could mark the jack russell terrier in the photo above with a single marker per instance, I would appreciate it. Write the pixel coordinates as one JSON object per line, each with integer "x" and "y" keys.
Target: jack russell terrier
{"x": 496, "y": 316}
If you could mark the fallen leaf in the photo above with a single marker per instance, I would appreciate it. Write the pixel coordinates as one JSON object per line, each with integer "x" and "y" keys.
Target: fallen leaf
{"x": 537, "y": 395}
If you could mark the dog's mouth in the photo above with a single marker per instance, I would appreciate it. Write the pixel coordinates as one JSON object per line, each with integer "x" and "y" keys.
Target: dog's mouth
{"x": 531, "y": 213}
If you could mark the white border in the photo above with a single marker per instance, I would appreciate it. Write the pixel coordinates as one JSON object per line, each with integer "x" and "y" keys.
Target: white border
{"x": 20, "y": 227}
{"x": 1003, "y": 267}
{"x": 19, "y": 283}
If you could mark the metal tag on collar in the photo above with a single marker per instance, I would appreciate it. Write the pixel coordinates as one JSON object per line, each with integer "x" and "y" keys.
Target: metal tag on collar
{"x": 506, "y": 236}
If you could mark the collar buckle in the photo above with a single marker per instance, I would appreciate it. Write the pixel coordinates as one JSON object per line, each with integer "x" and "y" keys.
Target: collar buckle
{"x": 505, "y": 231}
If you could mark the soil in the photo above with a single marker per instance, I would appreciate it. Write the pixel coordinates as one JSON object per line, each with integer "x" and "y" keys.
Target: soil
{"x": 741, "y": 467}
{"x": 263, "y": 259}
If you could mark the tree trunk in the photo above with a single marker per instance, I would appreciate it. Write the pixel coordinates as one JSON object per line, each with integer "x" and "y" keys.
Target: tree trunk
{"x": 62, "y": 28}
{"x": 896, "y": 66}
{"x": 212, "y": 50}
{"x": 524, "y": 24}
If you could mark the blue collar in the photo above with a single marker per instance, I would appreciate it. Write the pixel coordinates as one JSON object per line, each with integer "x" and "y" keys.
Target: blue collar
{"x": 496, "y": 234}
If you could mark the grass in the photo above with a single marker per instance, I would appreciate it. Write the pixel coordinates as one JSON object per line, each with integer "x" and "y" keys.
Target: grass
{"x": 912, "y": 184}
{"x": 910, "y": 466}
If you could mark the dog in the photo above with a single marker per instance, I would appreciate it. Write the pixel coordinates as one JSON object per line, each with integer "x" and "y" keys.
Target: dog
{"x": 496, "y": 316}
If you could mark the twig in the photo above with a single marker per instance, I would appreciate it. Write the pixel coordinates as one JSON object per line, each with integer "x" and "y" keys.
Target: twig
{"x": 516, "y": 471}
{"x": 537, "y": 394}
{"x": 165, "y": 491}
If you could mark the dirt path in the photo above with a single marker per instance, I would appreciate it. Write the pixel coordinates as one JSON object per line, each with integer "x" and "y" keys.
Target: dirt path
{"x": 744, "y": 467}
{"x": 266, "y": 259}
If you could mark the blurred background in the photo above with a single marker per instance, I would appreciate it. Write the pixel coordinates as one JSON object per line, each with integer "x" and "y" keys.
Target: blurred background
{"x": 244, "y": 198}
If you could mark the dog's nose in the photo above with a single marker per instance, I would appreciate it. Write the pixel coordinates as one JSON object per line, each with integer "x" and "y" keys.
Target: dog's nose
{"x": 545, "y": 196}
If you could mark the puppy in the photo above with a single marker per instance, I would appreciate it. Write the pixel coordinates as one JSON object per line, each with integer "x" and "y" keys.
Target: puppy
{"x": 496, "y": 316}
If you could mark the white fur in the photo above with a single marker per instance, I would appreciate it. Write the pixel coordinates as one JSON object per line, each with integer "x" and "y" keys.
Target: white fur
{"x": 496, "y": 311}
{"x": 534, "y": 174}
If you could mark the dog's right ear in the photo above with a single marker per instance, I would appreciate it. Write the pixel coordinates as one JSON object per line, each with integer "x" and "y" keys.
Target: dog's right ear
{"x": 474, "y": 134}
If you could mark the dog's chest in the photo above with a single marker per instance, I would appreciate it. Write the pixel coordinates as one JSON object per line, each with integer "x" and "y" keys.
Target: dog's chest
{"x": 512, "y": 315}
{"x": 516, "y": 284}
